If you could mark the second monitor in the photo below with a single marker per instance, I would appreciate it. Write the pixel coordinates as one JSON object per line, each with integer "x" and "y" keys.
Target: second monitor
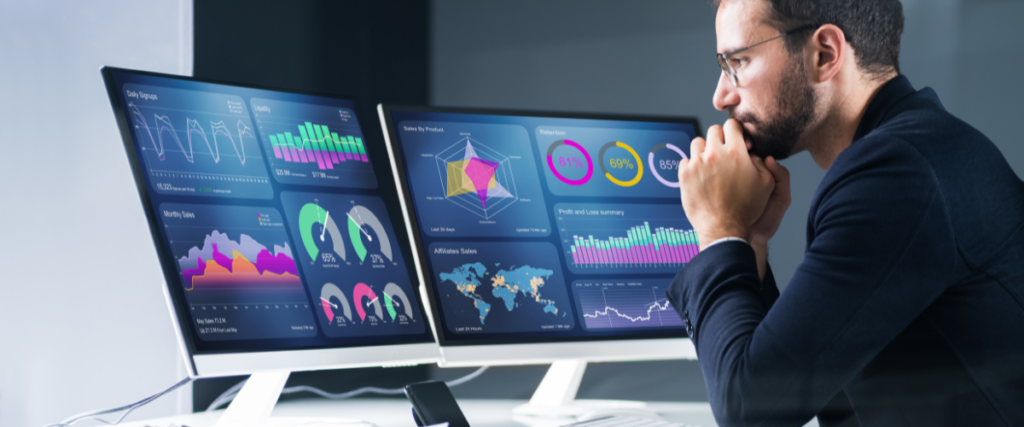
{"x": 545, "y": 237}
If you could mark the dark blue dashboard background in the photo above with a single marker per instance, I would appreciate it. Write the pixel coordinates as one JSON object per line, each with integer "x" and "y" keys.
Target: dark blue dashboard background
{"x": 651, "y": 194}
{"x": 385, "y": 191}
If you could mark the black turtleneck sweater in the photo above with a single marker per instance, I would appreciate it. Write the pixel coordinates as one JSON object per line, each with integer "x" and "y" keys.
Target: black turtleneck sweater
{"x": 908, "y": 308}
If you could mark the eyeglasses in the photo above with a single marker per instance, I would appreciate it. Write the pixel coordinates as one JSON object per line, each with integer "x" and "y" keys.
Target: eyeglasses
{"x": 723, "y": 58}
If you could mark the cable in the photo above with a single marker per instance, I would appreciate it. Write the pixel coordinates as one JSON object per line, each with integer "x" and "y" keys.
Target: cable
{"x": 94, "y": 415}
{"x": 230, "y": 393}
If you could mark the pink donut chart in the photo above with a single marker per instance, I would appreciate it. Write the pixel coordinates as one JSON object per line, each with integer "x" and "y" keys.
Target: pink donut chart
{"x": 574, "y": 144}
{"x": 654, "y": 170}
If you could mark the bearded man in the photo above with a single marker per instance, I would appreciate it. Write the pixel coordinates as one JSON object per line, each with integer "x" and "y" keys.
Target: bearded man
{"x": 908, "y": 307}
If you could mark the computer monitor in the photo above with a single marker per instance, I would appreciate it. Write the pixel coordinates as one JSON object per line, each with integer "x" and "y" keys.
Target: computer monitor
{"x": 276, "y": 225}
{"x": 545, "y": 237}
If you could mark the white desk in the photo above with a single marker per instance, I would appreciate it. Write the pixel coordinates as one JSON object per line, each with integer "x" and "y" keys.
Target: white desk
{"x": 397, "y": 413}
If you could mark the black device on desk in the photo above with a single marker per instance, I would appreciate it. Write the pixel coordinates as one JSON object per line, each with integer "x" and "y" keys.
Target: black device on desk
{"x": 433, "y": 403}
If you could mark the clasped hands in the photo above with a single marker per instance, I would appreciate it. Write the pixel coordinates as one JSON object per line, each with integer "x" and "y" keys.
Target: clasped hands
{"x": 727, "y": 192}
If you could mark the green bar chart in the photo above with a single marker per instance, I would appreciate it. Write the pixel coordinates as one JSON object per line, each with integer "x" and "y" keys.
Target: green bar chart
{"x": 317, "y": 144}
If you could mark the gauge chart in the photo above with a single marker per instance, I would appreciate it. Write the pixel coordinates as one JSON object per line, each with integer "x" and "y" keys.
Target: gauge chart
{"x": 335, "y": 304}
{"x": 631, "y": 166}
{"x": 361, "y": 221}
{"x": 351, "y": 258}
{"x": 238, "y": 272}
{"x": 367, "y": 309}
{"x": 197, "y": 143}
{"x": 574, "y": 168}
{"x": 607, "y": 162}
{"x": 314, "y": 144}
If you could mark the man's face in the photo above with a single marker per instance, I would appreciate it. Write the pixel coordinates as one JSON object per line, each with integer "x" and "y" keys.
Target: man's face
{"x": 775, "y": 100}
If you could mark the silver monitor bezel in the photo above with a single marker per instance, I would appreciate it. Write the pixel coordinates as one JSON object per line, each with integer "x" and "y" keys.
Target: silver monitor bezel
{"x": 602, "y": 349}
{"x": 227, "y": 363}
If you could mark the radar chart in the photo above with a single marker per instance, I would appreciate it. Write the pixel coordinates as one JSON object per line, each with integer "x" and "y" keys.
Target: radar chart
{"x": 471, "y": 179}
{"x": 476, "y": 178}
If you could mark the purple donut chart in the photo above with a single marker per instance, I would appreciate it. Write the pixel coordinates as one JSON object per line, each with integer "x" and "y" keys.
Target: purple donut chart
{"x": 672, "y": 165}
{"x": 572, "y": 162}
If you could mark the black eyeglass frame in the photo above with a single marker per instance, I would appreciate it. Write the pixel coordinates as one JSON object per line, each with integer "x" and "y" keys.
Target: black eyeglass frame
{"x": 723, "y": 58}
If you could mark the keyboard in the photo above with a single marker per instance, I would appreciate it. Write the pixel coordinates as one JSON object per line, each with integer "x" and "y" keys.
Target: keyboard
{"x": 626, "y": 421}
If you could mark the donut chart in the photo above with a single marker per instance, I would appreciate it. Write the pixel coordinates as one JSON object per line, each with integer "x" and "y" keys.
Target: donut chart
{"x": 363, "y": 291}
{"x": 586, "y": 155}
{"x": 650, "y": 162}
{"x": 639, "y": 164}
{"x": 330, "y": 290}
{"x": 395, "y": 299}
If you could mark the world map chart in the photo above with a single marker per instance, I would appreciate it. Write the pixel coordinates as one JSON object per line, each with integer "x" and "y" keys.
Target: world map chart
{"x": 506, "y": 285}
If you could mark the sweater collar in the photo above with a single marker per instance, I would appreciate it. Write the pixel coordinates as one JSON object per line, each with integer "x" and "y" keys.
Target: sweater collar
{"x": 881, "y": 107}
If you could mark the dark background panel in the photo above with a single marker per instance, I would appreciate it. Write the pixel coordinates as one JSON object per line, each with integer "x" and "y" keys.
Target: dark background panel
{"x": 371, "y": 50}
{"x": 381, "y": 51}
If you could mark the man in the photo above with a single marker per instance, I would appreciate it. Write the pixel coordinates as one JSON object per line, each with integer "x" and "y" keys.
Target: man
{"x": 908, "y": 308}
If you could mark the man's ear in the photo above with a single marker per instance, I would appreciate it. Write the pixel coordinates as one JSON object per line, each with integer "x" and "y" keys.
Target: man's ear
{"x": 828, "y": 51}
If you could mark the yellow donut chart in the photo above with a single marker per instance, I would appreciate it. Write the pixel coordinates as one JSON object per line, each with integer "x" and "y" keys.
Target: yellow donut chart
{"x": 639, "y": 164}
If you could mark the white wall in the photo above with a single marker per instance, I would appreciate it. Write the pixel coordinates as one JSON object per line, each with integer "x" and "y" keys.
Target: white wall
{"x": 83, "y": 323}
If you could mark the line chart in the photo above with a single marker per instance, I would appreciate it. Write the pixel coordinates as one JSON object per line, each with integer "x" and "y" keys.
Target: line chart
{"x": 198, "y": 143}
{"x": 607, "y": 304}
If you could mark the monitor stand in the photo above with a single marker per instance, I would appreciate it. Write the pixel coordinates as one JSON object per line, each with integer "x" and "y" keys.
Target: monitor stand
{"x": 256, "y": 400}
{"x": 555, "y": 397}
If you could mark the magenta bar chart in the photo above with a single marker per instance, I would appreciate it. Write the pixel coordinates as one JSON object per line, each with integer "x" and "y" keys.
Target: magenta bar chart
{"x": 317, "y": 144}
{"x": 640, "y": 245}
{"x": 625, "y": 238}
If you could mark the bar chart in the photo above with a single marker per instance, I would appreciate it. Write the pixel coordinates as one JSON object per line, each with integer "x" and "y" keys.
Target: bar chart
{"x": 625, "y": 238}
{"x": 314, "y": 143}
{"x": 639, "y": 245}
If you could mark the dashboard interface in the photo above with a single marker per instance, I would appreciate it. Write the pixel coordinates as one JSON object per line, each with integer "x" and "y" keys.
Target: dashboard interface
{"x": 539, "y": 228}
{"x": 270, "y": 221}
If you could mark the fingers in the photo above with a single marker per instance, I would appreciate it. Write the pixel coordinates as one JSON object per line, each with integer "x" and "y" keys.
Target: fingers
{"x": 778, "y": 171}
{"x": 734, "y": 135}
{"x": 697, "y": 147}
{"x": 716, "y": 136}
{"x": 759, "y": 164}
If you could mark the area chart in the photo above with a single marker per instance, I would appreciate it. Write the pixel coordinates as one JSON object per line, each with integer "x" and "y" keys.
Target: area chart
{"x": 238, "y": 271}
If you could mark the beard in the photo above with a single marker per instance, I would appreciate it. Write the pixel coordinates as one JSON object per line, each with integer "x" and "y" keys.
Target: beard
{"x": 777, "y": 135}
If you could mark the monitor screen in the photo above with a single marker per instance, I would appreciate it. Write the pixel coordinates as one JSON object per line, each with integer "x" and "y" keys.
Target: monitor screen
{"x": 545, "y": 227}
{"x": 273, "y": 216}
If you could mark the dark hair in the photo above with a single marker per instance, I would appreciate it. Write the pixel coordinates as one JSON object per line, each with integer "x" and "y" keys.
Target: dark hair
{"x": 872, "y": 27}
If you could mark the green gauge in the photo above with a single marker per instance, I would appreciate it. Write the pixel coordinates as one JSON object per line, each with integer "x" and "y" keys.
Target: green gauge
{"x": 312, "y": 214}
{"x": 359, "y": 218}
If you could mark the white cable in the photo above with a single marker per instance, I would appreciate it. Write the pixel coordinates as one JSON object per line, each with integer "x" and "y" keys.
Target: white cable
{"x": 230, "y": 393}
{"x": 94, "y": 415}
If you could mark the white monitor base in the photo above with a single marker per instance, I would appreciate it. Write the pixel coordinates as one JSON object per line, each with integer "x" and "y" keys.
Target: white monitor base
{"x": 256, "y": 400}
{"x": 555, "y": 397}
